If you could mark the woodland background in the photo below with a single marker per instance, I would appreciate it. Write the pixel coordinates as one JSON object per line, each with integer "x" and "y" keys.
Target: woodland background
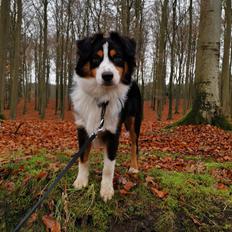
{"x": 38, "y": 50}
{"x": 184, "y": 67}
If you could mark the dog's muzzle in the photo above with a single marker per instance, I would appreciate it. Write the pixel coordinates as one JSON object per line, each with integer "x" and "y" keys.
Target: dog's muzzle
{"x": 107, "y": 77}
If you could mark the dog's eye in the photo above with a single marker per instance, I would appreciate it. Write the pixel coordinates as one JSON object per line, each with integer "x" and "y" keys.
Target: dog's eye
{"x": 96, "y": 60}
{"x": 117, "y": 59}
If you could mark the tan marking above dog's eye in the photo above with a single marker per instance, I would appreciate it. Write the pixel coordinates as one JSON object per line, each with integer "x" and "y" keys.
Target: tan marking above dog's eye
{"x": 100, "y": 53}
{"x": 113, "y": 52}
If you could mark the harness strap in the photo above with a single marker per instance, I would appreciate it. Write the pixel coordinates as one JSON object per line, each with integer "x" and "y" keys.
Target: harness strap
{"x": 67, "y": 167}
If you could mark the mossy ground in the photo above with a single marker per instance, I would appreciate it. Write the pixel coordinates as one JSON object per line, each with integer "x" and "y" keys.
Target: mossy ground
{"x": 193, "y": 202}
{"x": 194, "y": 117}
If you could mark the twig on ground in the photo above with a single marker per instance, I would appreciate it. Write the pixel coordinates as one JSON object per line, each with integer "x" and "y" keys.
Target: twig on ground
{"x": 16, "y": 131}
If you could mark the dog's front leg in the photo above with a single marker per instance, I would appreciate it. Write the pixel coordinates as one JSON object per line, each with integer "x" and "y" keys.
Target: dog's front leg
{"x": 111, "y": 142}
{"x": 83, "y": 173}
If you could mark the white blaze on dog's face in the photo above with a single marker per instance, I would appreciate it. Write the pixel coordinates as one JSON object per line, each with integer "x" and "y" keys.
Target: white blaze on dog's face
{"x": 105, "y": 64}
{"x": 107, "y": 74}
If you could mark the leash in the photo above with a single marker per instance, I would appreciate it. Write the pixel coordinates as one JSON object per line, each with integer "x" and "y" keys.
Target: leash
{"x": 67, "y": 167}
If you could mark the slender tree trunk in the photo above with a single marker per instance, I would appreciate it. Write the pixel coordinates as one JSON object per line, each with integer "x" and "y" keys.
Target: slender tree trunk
{"x": 57, "y": 74}
{"x": 44, "y": 62}
{"x": 179, "y": 78}
{"x": 4, "y": 25}
{"x": 40, "y": 71}
{"x": 231, "y": 82}
{"x": 36, "y": 75}
{"x": 47, "y": 80}
{"x": 25, "y": 80}
{"x": 16, "y": 62}
{"x": 62, "y": 62}
{"x": 187, "y": 75}
{"x": 161, "y": 63}
{"x": 70, "y": 65}
{"x": 173, "y": 45}
{"x": 58, "y": 57}
{"x": 225, "y": 81}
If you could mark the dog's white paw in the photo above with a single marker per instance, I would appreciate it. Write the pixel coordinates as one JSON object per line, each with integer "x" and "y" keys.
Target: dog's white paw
{"x": 107, "y": 191}
{"x": 80, "y": 182}
{"x": 133, "y": 170}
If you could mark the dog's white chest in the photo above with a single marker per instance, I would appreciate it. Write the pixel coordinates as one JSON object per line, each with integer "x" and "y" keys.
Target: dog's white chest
{"x": 88, "y": 113}
{"x": 87, "y": 94}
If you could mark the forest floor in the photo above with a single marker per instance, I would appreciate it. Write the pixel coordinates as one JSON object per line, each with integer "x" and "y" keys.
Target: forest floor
{"x": 184, "y": 183}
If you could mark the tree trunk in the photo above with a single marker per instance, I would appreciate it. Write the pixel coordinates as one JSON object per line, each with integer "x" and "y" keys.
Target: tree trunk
{"x": 161, "y": 63}
{"x": 187, "y": 75}
{"x": 4, "y": 25}
{"x": 225, "y": 81}
{"x": 231, "y": 82}
{"x": 16, "y": 62}
{"x": 44, "y": 62}
{"x": 206, "y": 105}
{"x": 179, "y": 77}
{"x": 172, "y": 60}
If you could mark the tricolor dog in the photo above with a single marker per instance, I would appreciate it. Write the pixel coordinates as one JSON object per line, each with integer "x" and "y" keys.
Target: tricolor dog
{"x": 104, "y": 74}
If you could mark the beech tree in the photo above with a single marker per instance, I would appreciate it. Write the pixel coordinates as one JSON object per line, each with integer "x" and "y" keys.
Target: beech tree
{"x": 160, "y": 70}
{"x": 16, "y": 60}
{"x": 4, "y": 32}
{"x": 206, "y": 105}
{"x": 225, "y": 80}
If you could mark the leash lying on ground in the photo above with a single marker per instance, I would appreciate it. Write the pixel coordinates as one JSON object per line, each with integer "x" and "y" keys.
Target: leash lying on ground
{"x": 69, "y": 165}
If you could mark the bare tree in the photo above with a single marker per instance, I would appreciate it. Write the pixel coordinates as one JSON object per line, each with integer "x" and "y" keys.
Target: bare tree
{"x": 206, "y": 105}
{"x": 4, "y": 32}
{"x": 161, "y": 61}
{"x": 173, "y": 45}
{"x": 225, "y": 80}
{"x": 16, "y": 61}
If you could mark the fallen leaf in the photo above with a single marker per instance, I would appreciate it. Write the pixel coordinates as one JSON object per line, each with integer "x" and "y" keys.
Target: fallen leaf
{"x": 122, "y": 180}
{"x": 150, "y": 180}
{"x": 26, "y": 180}
{"x": 129, "y": 185}
{"x": 195, "y": 221}
{"x": 123, "y": 192}
{"x": 42, "y": 175}
{"x": 51, "y": 224}
{"x": 10, "y": 186}
{"x": 158, "y": 193}
{"x": 221, "y": 186}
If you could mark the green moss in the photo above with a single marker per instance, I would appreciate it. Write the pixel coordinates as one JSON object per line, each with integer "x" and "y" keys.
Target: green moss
{"x": 213, "y": 165}
{"x": 63, "y": 158}
{"x": 189, "y": 196}
{"x": 187, "y": 183}
{"x": 221, "y": 122}
{"x": 193, "y": 196}
{"x": 194, "y": 116}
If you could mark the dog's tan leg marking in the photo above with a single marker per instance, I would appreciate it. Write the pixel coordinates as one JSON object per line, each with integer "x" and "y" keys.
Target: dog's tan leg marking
{"x": 83, "y": 173}
{"x": 107, "y": 189}
{"x": 134, "y": 168}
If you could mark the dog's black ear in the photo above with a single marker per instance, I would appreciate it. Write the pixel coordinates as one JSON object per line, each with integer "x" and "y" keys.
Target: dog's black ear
{"x": 84, "y": 46}
{"x": 128, "y": 44}
{"x": 96, "y": 38}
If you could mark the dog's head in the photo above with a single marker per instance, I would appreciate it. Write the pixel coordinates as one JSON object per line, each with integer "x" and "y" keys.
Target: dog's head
{"x": 109, "y": 61}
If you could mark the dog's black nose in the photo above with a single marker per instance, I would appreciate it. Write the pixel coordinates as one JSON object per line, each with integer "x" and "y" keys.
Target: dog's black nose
{"x": 107, "y": 76}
